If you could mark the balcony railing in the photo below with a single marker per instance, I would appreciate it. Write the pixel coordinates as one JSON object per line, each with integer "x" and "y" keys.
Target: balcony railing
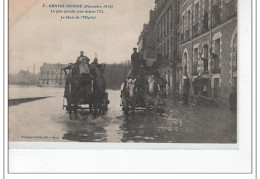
{"x": 196, "y": 30}
{"x": 205, "y": 22}
{"x": 195, "y": 68}
{"x": 231, "y": 9}
{"x": 215, "y": 66}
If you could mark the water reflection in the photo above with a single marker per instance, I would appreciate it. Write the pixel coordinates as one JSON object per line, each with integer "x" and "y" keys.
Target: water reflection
{"x": 115, "y": 126}
{"x": 138, "y": 127}
{"x": 179, "y": 124}
{"x": 85, "y": 131}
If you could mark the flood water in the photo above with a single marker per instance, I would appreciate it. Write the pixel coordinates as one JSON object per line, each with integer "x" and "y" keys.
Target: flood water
{"x": 45, "y": 120}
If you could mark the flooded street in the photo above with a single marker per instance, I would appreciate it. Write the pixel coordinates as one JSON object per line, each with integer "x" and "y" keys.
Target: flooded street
{"x": 45, "y": 120}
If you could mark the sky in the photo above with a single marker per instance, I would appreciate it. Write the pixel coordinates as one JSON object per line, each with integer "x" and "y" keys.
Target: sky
{"x": 37, "y": 36}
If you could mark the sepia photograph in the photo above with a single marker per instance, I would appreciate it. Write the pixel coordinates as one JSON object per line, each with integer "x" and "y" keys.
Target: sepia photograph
{"x": 114, "y": 71}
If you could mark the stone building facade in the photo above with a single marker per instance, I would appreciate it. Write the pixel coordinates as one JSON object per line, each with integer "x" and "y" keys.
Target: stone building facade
{"x": 52, "y": 74}
{"x": 146, "y": 40}
{"x": 207, "y": 31}
{"x": 195, "y": 43}
{"x": 166, "y": 42}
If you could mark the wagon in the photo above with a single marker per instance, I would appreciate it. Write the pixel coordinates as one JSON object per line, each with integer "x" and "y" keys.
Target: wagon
{"x": 80, "y": 92}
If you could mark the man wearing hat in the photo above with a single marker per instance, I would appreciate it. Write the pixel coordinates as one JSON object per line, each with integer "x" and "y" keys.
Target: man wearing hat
{"x": 83, "y": 63}
{"x": 101, "y": 66}
{"x": 82, "y": 58}
{"x": 134, "y": 61}
{"x": 95, "y": 61}
{"x": 134, "y": 57}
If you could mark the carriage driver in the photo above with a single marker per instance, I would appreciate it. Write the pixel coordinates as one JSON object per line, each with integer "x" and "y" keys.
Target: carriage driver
{"x": 134, "y": 57}
{"x": 82, "y": 58}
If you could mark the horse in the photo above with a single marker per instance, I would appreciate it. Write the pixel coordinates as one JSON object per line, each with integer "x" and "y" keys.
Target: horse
{"x": 128, "y": 94}
{"x": 152, "y": 94}
{"x": 99, "y": 90}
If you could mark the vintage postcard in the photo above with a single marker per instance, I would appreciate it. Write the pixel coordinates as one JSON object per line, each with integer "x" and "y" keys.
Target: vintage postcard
{"x": 116, "y": 71}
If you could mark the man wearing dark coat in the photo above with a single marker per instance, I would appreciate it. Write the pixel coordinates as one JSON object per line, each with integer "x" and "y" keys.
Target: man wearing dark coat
{"x": 134, "y": 57}
{"x": 134, "y": 61}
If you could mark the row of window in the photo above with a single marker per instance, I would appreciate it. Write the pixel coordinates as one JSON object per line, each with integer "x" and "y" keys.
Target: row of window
{"x": 196, "y": 20}
{"x": 165, "y": 48}
{"x": 55, "y": 82}
{"x": 215, "y": 59}
{"x": 53, "y": 76}
{"x": 165, "y": 24}
{"x": 52, "y": 72}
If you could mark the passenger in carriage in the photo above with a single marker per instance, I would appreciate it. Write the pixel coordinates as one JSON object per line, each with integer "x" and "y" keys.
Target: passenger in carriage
{"x": 83, "y": 64}
{"x": 82, "y": 75}
{"x": 95, "y": 62}
{"x": 82, "y": 58}
{"x": 101, "y": 67}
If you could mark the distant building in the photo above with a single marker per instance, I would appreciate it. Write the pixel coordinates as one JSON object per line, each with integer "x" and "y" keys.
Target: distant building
{"x": 23, "y": 78}
{"x": 52, "y": 74}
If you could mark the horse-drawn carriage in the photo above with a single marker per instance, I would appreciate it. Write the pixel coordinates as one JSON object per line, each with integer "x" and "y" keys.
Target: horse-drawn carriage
{"x": 85, "y": 88}
{"x": 141, "y": 90}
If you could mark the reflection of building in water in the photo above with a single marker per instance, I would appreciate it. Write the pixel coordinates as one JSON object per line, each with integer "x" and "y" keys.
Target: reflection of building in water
{"x": 52, "y": 74}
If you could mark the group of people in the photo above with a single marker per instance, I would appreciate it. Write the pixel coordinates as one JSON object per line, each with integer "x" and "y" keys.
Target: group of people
{"x": 202, "y": 89}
